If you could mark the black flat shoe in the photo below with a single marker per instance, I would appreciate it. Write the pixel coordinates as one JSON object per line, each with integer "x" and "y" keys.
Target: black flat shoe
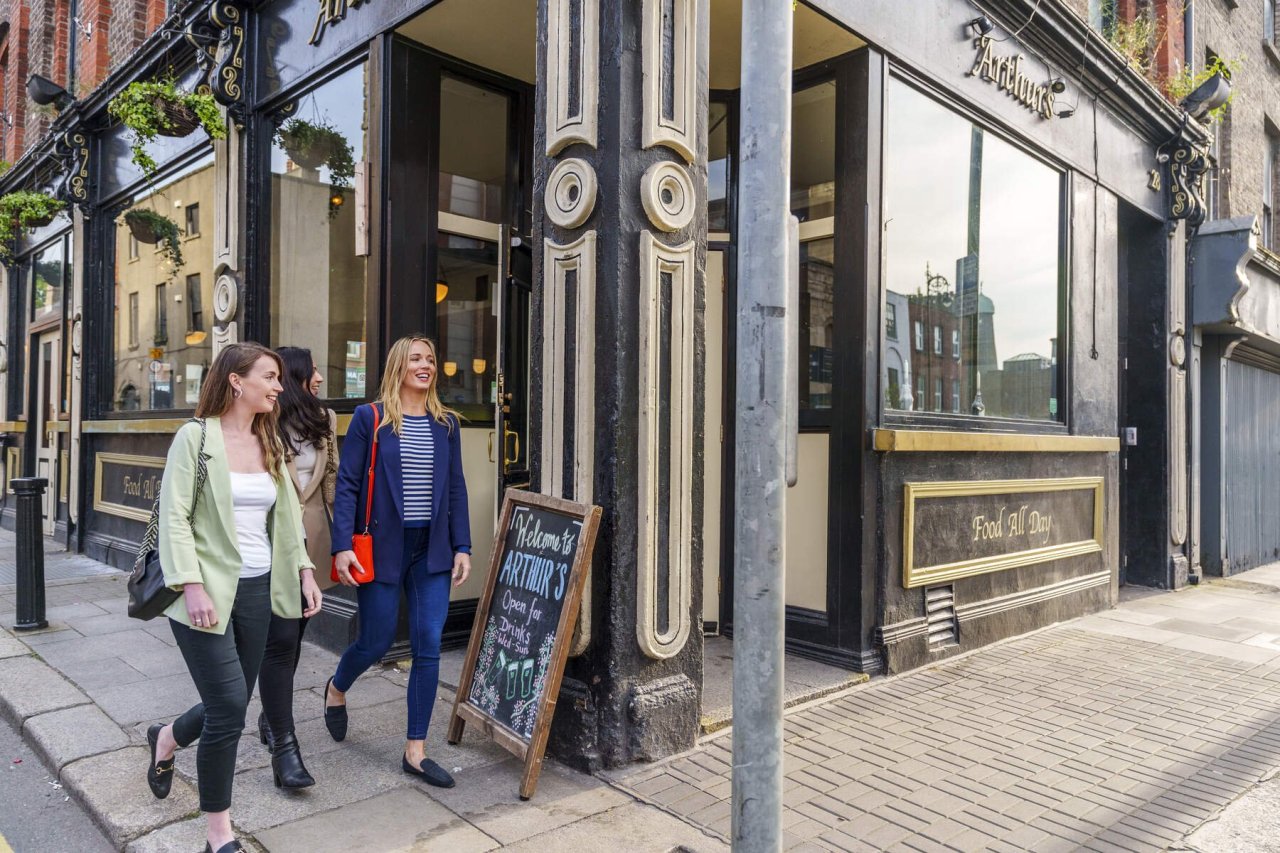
{"x": 264, "y": 730}
{"x": 335, "y": 718}
{"x": 286, "y": 764}
{"x": 159, "y": 775}
{"x": 229, "y": 847}
{"x": 431, "y": 773}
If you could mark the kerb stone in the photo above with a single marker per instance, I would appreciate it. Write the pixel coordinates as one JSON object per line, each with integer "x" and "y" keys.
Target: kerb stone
{"x": 29, "y": 687}
{"x": 113, "y": 789}
{"x": 62, "y": 737}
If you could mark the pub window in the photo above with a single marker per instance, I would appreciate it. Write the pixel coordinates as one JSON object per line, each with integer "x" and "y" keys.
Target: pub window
{"x": 193, "y": 220}
{"x": 919, "y": 329}
{"x": 48, "y": 281}
{"x": 167, "y": 372}
{"x": 718, "y": 166}
{"x": 891, "y": 321}
{"x": 937, "y": 340}
{"x": 162, "y": 317}
{"x": 974, "y": 245}
{"x": 195, "y": 305}
{"x": 133, "y": 320}
{"x": 894, "y": 391}
{"x": 467, "y": 277}
{"x": 319, "y": 263}
{"x": 473, "y": 150}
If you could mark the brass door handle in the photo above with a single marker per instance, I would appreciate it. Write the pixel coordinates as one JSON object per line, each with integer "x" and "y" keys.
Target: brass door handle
{"x": 491, "y": 459}
{"x": 510, "y": 434}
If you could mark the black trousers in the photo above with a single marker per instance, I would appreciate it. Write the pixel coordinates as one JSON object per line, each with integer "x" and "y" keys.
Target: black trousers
{"x": 279, "y": 663}
{"x": 224, "y": 668}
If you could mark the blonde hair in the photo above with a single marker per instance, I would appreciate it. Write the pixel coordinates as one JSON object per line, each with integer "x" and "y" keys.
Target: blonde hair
{"x": 393, "y": 378}
{"x": 217, "y": 395}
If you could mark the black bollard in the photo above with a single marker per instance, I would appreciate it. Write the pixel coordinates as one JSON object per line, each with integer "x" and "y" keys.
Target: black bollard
{"x": 30, "y": 492}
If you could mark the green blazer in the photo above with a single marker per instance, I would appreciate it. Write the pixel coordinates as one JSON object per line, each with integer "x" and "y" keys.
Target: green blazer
{"x": 210, "y": 553}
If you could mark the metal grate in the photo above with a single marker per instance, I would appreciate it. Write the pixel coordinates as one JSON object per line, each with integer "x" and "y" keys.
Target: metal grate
{"x": 940, "y": 614}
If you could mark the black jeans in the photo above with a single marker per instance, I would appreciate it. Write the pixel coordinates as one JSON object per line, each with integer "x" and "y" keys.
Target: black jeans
{"x": 224, "y": 668}
{"x": 279, "y": 663}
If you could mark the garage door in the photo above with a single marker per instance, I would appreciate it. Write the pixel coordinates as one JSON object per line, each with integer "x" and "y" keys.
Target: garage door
{"x": 1251, "y": 468}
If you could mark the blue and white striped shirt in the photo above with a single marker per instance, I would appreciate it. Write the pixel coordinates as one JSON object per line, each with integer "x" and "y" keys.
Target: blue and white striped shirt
{"x": 417, "y": 459}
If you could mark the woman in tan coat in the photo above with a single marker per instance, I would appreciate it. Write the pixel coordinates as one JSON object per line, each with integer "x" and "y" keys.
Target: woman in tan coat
{"x": 307, "y": 431}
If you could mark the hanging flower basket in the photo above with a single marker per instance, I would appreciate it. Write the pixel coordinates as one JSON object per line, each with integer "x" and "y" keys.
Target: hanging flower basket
{"x": 315, "y": 144}
{"x": 179, "y": 119}
{"x": 154, "y": 108}
{"x": 23, "y": 210}
{"x": 153, "y": 228}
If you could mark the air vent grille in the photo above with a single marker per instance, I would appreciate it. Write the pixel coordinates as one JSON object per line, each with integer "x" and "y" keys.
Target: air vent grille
{"x": 940, "y": 613}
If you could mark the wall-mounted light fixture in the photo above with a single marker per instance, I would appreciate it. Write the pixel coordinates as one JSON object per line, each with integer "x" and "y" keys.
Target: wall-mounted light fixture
{"x": 1208, "y": 96}
{"x": 981, "y": 26}
{"x": 450, "y": 368}
{"x": 87, "y": 29}
{"x": 44, "y": 91}
{"x": 479, "y": 364}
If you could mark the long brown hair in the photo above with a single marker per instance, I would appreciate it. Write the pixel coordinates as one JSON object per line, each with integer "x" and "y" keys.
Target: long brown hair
{"x": 217, "y": 395}
{"x": 393, "y": 378}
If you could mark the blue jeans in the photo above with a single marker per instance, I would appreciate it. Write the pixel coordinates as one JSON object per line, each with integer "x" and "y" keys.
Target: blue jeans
{"x": 379, "y": 608}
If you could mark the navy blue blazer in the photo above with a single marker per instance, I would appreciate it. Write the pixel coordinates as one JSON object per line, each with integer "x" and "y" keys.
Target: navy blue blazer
{"x": 450, "y": 528}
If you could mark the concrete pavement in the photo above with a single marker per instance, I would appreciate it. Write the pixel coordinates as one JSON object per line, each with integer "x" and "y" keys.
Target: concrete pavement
{"x": 1148, "y": 727}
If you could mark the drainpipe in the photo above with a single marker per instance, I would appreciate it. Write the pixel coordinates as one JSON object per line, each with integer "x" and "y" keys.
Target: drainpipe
{"x": 761, "y": 458}
{"x": 1189, "y": 35}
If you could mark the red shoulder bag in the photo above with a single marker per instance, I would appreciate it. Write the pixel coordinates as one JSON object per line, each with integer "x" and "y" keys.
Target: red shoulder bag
{"x": 362, "y": 543}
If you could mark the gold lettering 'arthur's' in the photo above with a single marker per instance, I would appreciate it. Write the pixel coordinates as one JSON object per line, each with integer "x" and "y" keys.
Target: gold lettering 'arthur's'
{"x": 1006, "y": 73}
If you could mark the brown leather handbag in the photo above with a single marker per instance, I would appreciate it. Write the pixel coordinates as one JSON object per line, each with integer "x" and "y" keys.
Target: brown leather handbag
{"x": 362, "y": 543}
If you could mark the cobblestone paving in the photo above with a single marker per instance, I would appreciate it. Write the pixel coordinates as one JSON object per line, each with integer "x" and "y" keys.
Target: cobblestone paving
{"x": 1062, "y": 740}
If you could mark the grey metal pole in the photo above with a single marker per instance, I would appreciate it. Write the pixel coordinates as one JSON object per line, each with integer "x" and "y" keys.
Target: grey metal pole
{"x": 764, "y": 179}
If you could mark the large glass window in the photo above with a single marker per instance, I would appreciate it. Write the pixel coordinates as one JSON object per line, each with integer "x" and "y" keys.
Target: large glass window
{"x": 813, "y": 152}
{"x": 718, "y": 166}
{"x": 159, "y": 361}
{"x": 467, "y": 278}
{"x": 50, "y": 279}
{"x": 473, "y": 150}
{"x": 318, "y": 248}
{"x": 817, "y": 323}
{"x": 973, "y": 237}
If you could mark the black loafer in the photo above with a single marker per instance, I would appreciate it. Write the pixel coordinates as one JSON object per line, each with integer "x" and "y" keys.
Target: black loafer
{"x": 429, "y": 771}
{"x": 335, "y": 718}
{"x": 159, "y": 775}
{"x": 229, "y": 847}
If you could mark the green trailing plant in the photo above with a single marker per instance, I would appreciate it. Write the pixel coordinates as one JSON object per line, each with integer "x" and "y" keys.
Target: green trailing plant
{"x": 154, "y": 108}
{"x": 1182, "y": 84}
{"x": 148, "y": 226}
{"x": 316, "y": 144}
{"x": 25, "y": 209}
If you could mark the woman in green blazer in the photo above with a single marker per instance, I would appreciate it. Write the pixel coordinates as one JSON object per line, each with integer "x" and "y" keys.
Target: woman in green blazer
{"x": 239, "y": 558}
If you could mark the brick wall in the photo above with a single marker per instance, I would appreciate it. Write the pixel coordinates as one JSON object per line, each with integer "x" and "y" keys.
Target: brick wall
{"x": 39, "y": 42}
{"x": 1237, "y": 35}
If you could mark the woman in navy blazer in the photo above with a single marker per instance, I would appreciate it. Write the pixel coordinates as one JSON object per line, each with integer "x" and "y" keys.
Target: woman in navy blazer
{"x": 421, "y": 537}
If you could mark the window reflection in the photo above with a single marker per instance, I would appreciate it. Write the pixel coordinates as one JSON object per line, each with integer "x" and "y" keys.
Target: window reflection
{"x": 973, "y": 258}
{"x": 467, "y": 276}
{"x": 473, "y": 150}
{"x": 718, "y": 166}
{"x": 160, "y": 361}
{"x": 49, "y": 279}
{"x": 318, "y": 260}
{"x": 813, "y": 152}
{"x": 817, "y": 323}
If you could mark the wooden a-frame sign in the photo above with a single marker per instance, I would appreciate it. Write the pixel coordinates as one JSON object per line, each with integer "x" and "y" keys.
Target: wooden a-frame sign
{"x": 519, "y": 643}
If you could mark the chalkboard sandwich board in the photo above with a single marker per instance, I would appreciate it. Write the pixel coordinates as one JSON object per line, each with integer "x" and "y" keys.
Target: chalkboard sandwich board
{"x": 524, "y": 625}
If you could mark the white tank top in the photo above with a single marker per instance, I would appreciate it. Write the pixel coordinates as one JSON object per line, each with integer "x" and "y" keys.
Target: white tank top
{"x": 253, "y": 496}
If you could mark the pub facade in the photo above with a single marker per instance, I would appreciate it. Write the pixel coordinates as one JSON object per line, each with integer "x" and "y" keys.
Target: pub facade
{"x": 992, "y": 213}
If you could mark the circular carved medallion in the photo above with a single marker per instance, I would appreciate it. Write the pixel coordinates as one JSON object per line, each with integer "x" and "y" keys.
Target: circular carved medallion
{"x": 571, "y": 192}
{"x": 226, "y": 298}
{"x": 1177, "y": 350}
{"x": 667, "y": 194}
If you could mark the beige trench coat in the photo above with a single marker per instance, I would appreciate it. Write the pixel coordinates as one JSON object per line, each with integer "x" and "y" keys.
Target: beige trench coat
{"x": 317, "y": 502}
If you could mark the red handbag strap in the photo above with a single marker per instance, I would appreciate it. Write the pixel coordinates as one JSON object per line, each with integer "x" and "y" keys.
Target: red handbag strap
{"x": 373, "y": 457}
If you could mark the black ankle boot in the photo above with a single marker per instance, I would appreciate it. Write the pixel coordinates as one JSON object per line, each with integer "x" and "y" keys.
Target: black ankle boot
{"x": 286, "y": 763}
{"x": 264, "y": 730}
